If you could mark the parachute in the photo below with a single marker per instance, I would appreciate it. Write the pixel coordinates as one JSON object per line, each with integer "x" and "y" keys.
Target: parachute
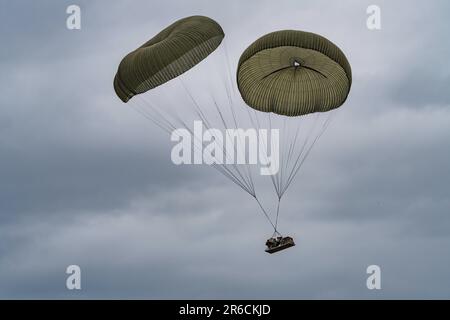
{"x": 287, "y": 80}
{"x": 173, "y": 51}
{"x": 293, "y": 73}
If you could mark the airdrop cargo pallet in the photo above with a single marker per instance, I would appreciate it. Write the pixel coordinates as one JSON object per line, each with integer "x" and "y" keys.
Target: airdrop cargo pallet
{"x": 284, "y": 244}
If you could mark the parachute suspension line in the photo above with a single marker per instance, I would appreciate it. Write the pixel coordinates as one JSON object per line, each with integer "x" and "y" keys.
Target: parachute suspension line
{"x": 265, "y": 213}
{"x": 274, "y": 178}
{"x": 197, "y": 108}
{"x": 265, "y": 146}
{"x": 282, "y": 153}
{"x": 287, "y": 159}
{"x": 246, "y": 168}
{"x": 253, "y": 194}
{"x": 256, "y": 123}
{"x": 161, "y": 122}
{"x": 159, "y": 116}
{"x": 169, "y": 127}
{"x": 164, "y": 122}
{"x": 222, "y": 118}
{"x": 298, "y": 157}
{"x": 292, "y": 146}
{"x": 276, "y": 220}
{"x": 277, "y": 180}
{"x": 286, "y": 174}
{"x": 230, "y": 90}
{"x": 249, "y": 186}
{"x": 226, "y": 171}
{"x": 233, "y": 114}
{"x": 168, "y": 117}
{"x": 135, "y": 108}
{"x": 230, "y": 176}
{"x": 299, "y": 165}
{"x": 244, "y": 184}
{"x": 285, "y": 133}
{"x": 227, "y": 59}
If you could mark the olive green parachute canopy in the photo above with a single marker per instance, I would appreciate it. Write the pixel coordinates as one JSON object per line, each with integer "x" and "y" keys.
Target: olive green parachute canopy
{"x": 293, "y": 73}
{"x": 173, "y": 51}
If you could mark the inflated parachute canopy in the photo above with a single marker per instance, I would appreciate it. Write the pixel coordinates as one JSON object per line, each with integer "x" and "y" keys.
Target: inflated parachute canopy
{"x": 173, "y": 51}
{"x": 293, "y": 73}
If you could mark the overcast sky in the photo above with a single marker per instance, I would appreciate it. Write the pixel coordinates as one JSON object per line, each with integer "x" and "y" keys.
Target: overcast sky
{"x": 86, "y": 180}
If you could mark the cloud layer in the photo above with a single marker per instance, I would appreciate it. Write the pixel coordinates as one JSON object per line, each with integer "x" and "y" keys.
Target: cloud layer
{"x": 86, "y": 180}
